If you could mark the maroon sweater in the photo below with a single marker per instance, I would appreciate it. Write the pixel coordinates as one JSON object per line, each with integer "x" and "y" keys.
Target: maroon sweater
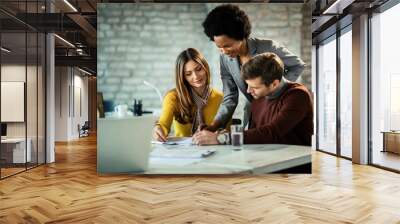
{"x": 287, "y": 119}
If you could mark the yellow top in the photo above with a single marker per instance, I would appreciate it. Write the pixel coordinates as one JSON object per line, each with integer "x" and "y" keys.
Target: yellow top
{"x": 185, "y": 130}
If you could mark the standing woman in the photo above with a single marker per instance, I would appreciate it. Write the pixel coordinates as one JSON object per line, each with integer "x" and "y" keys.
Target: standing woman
{"x": 229, "y": 28}
{"x": 192, "y": 103}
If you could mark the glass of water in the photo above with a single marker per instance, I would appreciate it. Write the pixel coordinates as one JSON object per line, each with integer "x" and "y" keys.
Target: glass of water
{"x": 237, "y": 135}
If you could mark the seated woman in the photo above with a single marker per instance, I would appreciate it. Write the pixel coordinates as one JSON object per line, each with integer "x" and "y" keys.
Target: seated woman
{"x": 193, "y": 103}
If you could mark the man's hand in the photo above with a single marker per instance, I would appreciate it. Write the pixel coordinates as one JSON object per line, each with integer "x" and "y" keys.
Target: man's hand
{"x": 205, "y": 138}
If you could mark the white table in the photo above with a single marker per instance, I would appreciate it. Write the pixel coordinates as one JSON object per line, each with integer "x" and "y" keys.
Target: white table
{"x": 123, "y": 145}
{"x": 18, "y": 150}
{"x": 251, "y": 159}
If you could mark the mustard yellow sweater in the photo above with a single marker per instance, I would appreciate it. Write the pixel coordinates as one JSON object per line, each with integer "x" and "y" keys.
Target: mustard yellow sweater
{"x": 170, "y": 105}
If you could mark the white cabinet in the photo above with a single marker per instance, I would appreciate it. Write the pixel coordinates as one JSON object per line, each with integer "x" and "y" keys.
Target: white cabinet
{"x": 17, "y": 146}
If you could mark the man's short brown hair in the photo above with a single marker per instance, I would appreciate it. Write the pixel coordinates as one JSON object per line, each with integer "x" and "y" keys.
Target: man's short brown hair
{"x": 268, "y": 66}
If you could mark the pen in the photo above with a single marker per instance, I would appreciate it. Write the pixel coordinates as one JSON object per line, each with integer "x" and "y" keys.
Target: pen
{"x": 207, "y": 154}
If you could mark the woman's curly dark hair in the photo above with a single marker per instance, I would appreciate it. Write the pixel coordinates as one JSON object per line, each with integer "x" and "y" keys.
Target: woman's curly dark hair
{"x": 227, "y": 20}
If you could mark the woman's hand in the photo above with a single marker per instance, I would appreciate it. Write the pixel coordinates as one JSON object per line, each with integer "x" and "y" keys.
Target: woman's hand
{"x": 212, "y": 127}
{"x": 158, "y": 134}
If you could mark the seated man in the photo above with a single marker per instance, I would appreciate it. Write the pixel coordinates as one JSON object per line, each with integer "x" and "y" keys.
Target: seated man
{"x": 281, "y": 113}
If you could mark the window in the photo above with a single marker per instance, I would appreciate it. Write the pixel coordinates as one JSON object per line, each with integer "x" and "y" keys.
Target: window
{"x": 22, "y": 75}
{"x": 346, "y": 92}
{"x": 385, "y": 85}
{"x": 327, "y": 96}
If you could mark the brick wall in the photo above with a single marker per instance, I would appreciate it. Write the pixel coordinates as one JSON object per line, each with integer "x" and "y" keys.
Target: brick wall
{"x": 306, "y": 44}
{"x": 139, "y": 42}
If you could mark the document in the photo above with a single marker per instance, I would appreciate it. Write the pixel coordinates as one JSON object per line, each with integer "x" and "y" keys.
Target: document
{"x": 176, "y": 141}
{"x": 181, "y": 153}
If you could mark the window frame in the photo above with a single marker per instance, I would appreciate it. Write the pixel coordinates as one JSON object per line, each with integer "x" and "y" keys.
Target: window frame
{"x": 339, "y": 32}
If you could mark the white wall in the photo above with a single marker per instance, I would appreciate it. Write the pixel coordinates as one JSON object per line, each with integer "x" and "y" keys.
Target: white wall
{"x": 34, "y": 125}
{"x": 79, "y": 117}
{"x": 13, "y": 72}
{"x": 16, "y": 73}
{"x": 70, "y": 83}
{"x": 61, "y": 103}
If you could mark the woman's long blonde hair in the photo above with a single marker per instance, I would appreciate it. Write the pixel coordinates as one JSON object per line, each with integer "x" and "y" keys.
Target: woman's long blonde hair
{"x": 186, "y": 107}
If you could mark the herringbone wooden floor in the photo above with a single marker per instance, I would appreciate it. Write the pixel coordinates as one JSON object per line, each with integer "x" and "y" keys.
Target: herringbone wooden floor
{"x": 70, "y": 191}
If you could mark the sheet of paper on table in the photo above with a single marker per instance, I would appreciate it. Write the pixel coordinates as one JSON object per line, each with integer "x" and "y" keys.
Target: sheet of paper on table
{"x": 180, "y": 153}
{"x": 176, "y": 141}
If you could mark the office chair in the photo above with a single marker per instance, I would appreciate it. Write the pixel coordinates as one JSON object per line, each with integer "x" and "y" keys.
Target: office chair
{"x": 84, "y": 130}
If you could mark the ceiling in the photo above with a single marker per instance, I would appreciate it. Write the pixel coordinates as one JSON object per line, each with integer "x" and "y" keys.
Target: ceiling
{"x": 332, "y": 15}
{"x": 21, "y": 22}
